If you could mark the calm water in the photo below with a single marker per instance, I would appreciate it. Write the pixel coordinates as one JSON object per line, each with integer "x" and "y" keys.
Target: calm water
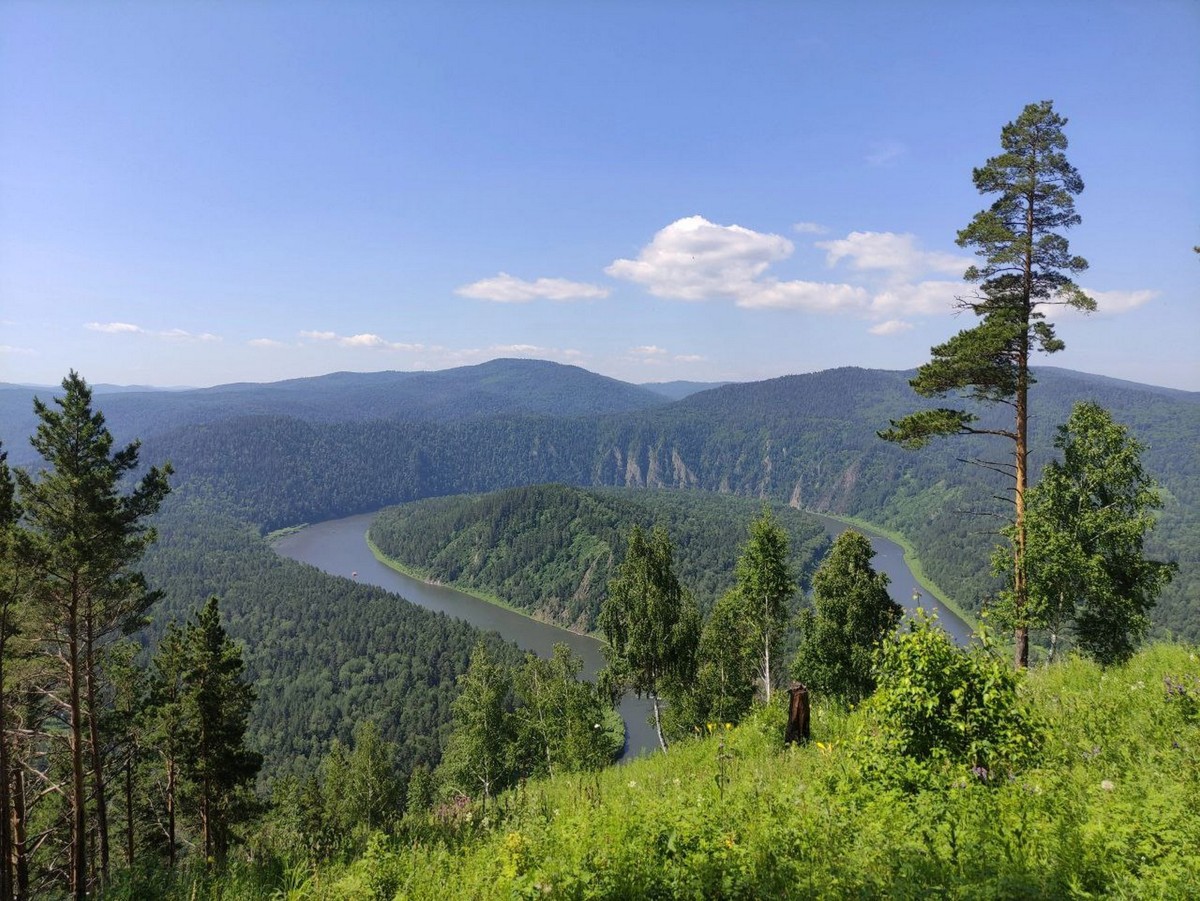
{"x": 339, "y": 547}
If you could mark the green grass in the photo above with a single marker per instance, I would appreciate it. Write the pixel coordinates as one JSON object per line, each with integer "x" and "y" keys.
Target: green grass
{"x": 1110, "y": 810}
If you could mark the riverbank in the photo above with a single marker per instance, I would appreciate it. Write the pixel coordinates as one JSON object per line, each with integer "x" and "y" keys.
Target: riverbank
{"x": 911, "y": 560}
{"x": 413, "y": 572}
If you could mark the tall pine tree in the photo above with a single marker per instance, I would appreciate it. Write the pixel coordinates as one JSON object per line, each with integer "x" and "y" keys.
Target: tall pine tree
{"x": 86, "y": 536}
{"x": 1027, "y": 265}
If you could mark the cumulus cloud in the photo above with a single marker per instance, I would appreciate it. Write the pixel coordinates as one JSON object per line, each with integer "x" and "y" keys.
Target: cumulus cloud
{"x": 365, "y": 340}
{"x": 128, "y": 328}
{"x": 694, "y": 259}
{"x": 505, "y": 288}
{"x": 896, "y": 254}
{"x": 890, "y": 327}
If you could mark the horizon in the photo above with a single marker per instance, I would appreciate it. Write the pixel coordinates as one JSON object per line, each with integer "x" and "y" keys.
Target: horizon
{"x": 200, "y": 194}
{"x": 111, "y": 387}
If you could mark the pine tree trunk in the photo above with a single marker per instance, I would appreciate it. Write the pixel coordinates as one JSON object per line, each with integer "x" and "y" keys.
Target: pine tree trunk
{"x": 79, "y": 856}
{"x": 766, "y": 655}
{"x": 98, "y": 780}
{"x": 129, "y": 849}
{"x": 171, "y": 812}
{"x": 6, "y": 843}
{"x": 1021, "y": 451}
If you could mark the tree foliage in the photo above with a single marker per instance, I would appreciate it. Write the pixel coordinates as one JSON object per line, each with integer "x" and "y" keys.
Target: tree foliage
{"x": 650, "y": 620}
{"x": 852, "y": 613}
{"x": 765, "y": 580}
{"x": 1027, "y": 266}
{"x": 1088, "y": 520}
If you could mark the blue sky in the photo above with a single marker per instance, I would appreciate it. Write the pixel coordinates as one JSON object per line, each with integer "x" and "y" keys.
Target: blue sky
{"x": 199, "y": 193}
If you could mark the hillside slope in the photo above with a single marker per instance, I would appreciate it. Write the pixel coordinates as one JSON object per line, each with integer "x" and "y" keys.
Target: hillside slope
{"x": 551, "y": 549}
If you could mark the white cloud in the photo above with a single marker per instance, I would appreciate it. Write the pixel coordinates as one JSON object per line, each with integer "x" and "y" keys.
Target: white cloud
{"x": 181, "y": 335}
{"x": 885, "y": 153}
{"x": 265, "y": 342}
{"x": 809, "y": 228}
{"x": 648, "y": 350}
{"x": 814, "y": 297}
{"x": 694, "y": 259}
{"x": 365, "y": 340}
{"x": 891, "y": 327}
{"x": 9, "y": 349}
{"x": 115, "y": 328}
{"x": 1116, "y": 302}
{"x": 897, "y": 254}
{"x": 689, "y": 358}
{"x": 922, "y": 299}
{"x": 128, "y": 328}
{"x": 505, "y": 288}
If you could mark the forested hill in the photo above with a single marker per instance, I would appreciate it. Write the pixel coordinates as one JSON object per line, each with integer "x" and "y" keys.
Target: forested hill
{"x": 466, "y": 392}
{"x": 807, "y": 440}
{"x": 323, "y": 652}
{"x": 551, "y": 549}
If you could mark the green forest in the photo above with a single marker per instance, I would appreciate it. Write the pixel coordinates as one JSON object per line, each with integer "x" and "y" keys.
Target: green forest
{"x": 551, "y": 549}
{"x": 185, "y": 713}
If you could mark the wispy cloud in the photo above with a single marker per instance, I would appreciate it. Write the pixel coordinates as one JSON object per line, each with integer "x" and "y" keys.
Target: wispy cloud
{"x": 896, "y": 254}
{"x": 505, "y": 288}
{"x": 21, "y": 351}
{"x": 885, "y": 153}
{"x": 128, "y": 328}
{"x": 655, "y": 355}
{"x": 891, "y": 327}
{"x": 809, "y": 228}
{"x": 366, "y": 341}
{"x": 265, "y": 342}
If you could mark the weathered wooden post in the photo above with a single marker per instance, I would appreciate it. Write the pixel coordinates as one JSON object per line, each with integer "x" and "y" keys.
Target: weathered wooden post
{"x": 797, "y": 725}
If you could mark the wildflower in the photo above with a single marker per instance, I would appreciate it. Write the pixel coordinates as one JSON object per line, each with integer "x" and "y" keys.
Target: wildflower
{"x": 1107, "y": 785}
{"x": 633, "y": 783}
{"x": 980, "y": 773}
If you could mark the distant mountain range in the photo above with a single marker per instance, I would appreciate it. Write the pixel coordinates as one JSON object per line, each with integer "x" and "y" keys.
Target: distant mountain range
{"x": 306, "y": 449}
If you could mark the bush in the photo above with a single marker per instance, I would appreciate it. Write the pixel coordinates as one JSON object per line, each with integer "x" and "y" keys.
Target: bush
{"x": 943, "y": 710}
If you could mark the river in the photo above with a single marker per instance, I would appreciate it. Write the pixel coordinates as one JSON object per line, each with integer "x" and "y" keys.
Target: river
{"x": 339, "y": 547}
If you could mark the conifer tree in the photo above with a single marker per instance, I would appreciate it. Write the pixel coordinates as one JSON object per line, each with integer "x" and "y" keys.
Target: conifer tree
{"x": 1027, "y": 266}
{"x": 217, "y": 702}
{"x": 852, "y": 612}
{"x": 86, "y": 537}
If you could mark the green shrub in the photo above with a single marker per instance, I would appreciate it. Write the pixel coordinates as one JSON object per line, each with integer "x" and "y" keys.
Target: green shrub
{"x": 941, "y": 710}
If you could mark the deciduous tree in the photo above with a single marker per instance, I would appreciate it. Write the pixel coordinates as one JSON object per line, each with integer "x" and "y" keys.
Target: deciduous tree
{"x": 1027, "y": 265}
{"x": 1087, "y": 520}
{"x": 650, "y": 621}
{"x": 765, "y": 580}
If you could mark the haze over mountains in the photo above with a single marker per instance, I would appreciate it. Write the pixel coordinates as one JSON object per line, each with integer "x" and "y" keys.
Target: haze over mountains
{"x": 283, "y": 453}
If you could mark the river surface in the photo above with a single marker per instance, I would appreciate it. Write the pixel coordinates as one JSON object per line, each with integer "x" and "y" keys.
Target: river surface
{"x": 339, "y": 547}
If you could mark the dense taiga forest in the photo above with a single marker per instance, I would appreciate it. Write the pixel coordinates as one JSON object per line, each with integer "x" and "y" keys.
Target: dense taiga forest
{"x": 357, "y": 705}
